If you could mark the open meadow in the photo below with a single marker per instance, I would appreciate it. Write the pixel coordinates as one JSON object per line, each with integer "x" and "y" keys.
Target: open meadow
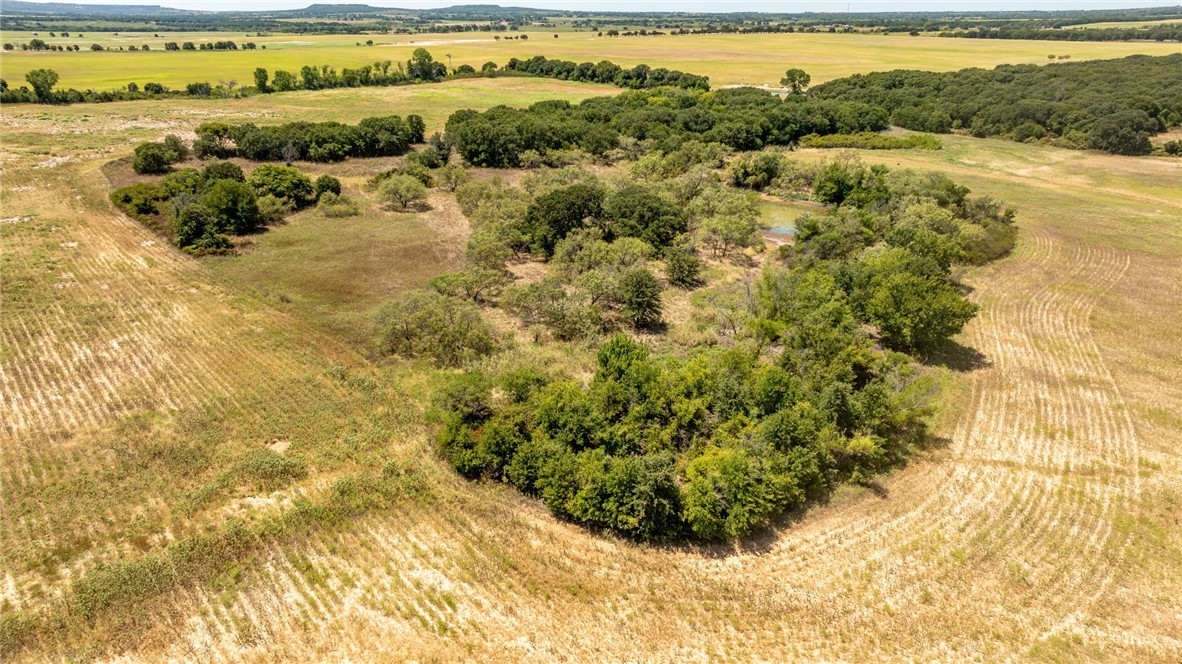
{"x": 727, "y": 59}
{"x": 150, "y": 396}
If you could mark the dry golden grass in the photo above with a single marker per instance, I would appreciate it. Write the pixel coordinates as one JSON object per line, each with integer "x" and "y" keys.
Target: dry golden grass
{"x": 1046, "y": 528}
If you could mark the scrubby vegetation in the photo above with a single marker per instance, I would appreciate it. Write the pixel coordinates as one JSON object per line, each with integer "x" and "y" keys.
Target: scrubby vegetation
{"x": 808, "y": 384}
{"x": 741, "y": 118}
{"x": 868, "y": 140}
{"x": 1109, "y": 105}
{"x": 308, "y": 141}
{"x": 420, "y": 68}
{"x": 199, "y": 209}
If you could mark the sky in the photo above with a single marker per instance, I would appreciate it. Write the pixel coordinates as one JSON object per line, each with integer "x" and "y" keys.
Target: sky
{"x": 665, "y": 5}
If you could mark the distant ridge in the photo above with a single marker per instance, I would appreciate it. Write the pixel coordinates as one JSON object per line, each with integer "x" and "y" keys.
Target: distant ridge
{"x": 70, "y": 9}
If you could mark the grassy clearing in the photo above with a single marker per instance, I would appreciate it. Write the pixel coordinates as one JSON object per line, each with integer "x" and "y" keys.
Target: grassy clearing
{"x": 726, "y": 59}
{"x": 140, "y": 388}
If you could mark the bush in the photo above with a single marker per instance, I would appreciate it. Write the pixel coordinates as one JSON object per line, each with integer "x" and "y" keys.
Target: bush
{"x": 222, "y": 170}
{"x": 427, "y": 324}
{"x": 184, "y": 181}
{"x": 151, "y": 159}
{"x": 683, "y": 268}
{"x": 140, "y": 200}
{"x": 234, "y": 205}
{"x": 334, "y": 206}
{"x": 640, "y": 295}
{"x": 282, "y": 182}
{"x": 177, "y": 150}
{"x": 327, "y": 183}
{"x": 273, "y": 209}
{"x": 195, "y": 227}
{"x": 401, "y": 190}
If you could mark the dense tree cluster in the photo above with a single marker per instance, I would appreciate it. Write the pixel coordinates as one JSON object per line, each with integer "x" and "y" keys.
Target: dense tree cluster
{"x": 311, "y": 141}
{"x": 1109, "y": 105}
{"x": 1149, "y": 32}
{"x": 640, "y": 76}
{"x": 420, "y": 68}
{"x": 718, "y": 443}
{"x": 199, "y": 208}
{"x": 741, "y": 118}
{"x": 712, "y": 446}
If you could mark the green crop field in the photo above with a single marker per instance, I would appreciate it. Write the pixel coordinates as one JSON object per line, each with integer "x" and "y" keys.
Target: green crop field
{"x": 726, "y": 59}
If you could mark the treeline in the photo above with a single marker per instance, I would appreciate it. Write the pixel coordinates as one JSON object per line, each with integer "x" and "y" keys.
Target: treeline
{"x": 309, "y": 141}
{"x": 741, "y": 118}
{"x": 1159, "y": 33}
{"x": 640, "y": 76}
{"x": 192, "y": 23}
{"x": 1108, "y": 105}
{"x": 199, "y": 209}
{"x": 420, "y": 68}
{"x": 799, "y": 398}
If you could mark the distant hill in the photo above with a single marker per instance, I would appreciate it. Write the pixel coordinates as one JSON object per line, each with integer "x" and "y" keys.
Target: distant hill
{"x": 69, "y": 9}
{"x": 21, "y": 7}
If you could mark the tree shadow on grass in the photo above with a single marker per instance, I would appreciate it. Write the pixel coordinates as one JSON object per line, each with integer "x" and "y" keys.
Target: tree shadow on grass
{"x": 957, "y": 357}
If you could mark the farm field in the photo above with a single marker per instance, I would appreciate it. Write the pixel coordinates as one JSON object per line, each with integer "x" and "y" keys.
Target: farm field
{"x": 138, "y": 382}
{"x": 726, "y": 59}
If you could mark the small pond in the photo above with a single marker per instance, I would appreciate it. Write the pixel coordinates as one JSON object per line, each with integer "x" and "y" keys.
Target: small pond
{"x": 778, "y": 218}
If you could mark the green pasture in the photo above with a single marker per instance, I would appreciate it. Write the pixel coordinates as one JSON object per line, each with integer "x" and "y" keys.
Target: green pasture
{"x": 726, "y": 59}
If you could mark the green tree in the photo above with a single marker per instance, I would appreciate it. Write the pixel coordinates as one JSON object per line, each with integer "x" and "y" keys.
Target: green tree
{"x": 451, "y": 177}
{"x": 640, "y": 297}
{"x": 427, "y": 324}
{"x": 636, "y": 211}
{"x": 260, "y": 80}
{"x": 725, "y": 233}
{"x": 234, "y": 205}
{"x": 796, "y": 80}
{"x": 151, "y": 159}
{"x": 683, "y": 268}
{"x": 42, "y": 81}
{"x": 401, "y": 190}
{"x": 555, "y": 214}
{"x": 282, "y": 182}
{"x": 327, "y": 183}
{"x": 473, "y": 283}
{"x": 917, "y": 312}
{"x": 193, "y": 223}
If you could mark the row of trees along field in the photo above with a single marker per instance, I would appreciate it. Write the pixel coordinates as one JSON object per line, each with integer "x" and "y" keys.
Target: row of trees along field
{"x": 1109, "y": 105}
{"x": 741, "y": 118}
{"x": 420, "y": 68}
{"x": 799, "y": 396}
{"x": 1159, "y": 33}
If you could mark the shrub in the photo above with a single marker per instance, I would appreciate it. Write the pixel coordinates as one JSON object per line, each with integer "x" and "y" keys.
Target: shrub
{"x": 327, "y": 183}
{"x": 640, "y": 295}
{"x": 282, "y": 182}
{"x": 269, "y": 470}
{"x": 234, "y": 205}
{"x": 427, "y": 324}
{"x": 273, "y": 209}
{"x": 140, "y": 200}
{"x": 401, "y": 190}
{"x": 151, "y": 159}
{"x": 222, "y": 170}
{"x": 335, "y": 206}
{"x": 195, "y": 227}
{"x": 683, "y": 268}
{"x": 184, "y": 181}
{"x": 177, "y": 150}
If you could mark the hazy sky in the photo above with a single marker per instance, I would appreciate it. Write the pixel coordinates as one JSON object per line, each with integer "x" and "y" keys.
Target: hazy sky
{"x": 679, "y": 5}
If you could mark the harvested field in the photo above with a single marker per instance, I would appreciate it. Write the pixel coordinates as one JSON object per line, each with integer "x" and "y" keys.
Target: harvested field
{"x": 135, "y": 380}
